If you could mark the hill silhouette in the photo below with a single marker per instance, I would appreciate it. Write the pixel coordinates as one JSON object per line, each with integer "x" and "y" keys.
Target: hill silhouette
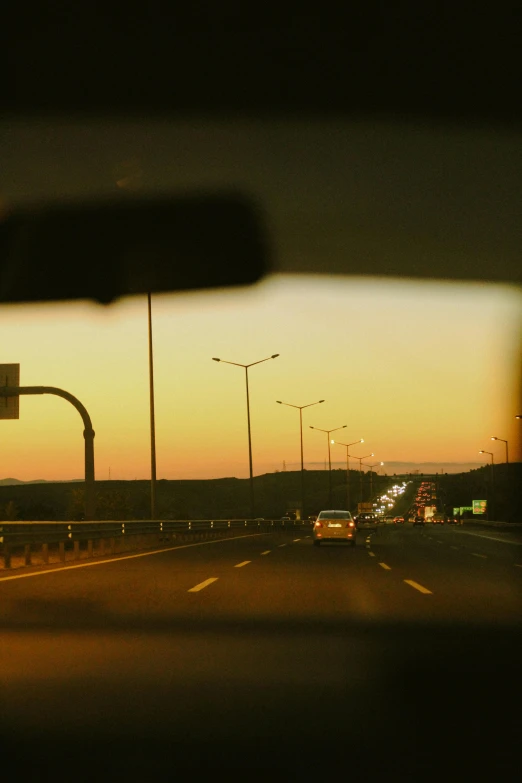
{"x": 229, "y": 498}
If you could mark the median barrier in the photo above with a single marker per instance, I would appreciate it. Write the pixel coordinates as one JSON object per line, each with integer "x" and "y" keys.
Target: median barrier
{"x": 25, "y": 544}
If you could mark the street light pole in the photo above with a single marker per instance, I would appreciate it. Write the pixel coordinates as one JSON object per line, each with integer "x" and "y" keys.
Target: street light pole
{"x": 492, "y": 478}
{"x": 152, "y": 418}
{"x": 371, "y": 475}
{"x": 250, "y": 464}
{"x": 348, "y": 468}
{"x": 329, "y": 458}
{"x": 504, "y": 441}
{"x": 300, "y": 408}
{"x": 360, "y": 473}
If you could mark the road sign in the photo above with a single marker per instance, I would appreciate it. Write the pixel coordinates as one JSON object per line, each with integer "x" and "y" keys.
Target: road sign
{"x": 9, "y": 376}
{"x": 480, "y": 506}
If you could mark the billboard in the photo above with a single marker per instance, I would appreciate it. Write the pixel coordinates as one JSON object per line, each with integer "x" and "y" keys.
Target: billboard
{"x": 9, "y": 376}
{"x": 480, "y": 506}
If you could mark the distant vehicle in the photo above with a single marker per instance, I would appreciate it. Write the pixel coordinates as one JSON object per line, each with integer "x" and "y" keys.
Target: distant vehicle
{"x": 334, "y": 525}
{"x": 286, "y": 519}
{"x": 388, "y": 520}
{"x": 438, "y": 519}
{"x": 418, "y": 521}
{"x": 366, "y": 518}
{"x": 399, "y": 520}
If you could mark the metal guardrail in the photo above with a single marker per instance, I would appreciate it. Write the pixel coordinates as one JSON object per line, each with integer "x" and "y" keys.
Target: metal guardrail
{"x": 59, "y": 541}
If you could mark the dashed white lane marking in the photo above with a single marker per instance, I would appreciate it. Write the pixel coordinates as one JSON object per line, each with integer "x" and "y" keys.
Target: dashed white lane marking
{"x": 386, "y": 567}
{"x": 244, "y": 563}
{"x": 518, "y": 565}
{"x": 477, "y": 554}
{"x": 296, "y": 539}
{"x": 372, "y": 554}
{"x": 439, "y": 542}
{"x": 418, "y": 587}
{"x": 280, "y": 545}
{"x": 454, "y": 547}
{"x": 124, "y": 557}
{"x": 267, "y": 552}
{"x": 202, "y": 585}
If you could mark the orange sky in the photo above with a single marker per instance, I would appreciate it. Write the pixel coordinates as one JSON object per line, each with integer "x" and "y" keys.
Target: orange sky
{"x": 424, "y": 372}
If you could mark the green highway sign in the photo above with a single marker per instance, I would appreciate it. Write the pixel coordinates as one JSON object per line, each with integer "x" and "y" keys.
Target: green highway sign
{"x": 480, "y": 506}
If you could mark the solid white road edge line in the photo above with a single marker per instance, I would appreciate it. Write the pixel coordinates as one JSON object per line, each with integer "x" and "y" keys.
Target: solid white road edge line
{"x": 490, "y": 538}
{"x": 124, "y": 557}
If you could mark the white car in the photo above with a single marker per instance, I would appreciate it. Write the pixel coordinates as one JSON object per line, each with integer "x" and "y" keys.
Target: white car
{"x": 335, "y": 525}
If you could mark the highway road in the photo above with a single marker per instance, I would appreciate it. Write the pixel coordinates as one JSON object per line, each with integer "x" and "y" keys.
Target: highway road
{"x": 264, "y": 653}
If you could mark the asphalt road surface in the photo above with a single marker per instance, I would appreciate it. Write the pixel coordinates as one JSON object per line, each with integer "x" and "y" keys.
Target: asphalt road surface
{"x": 264, "y": 654}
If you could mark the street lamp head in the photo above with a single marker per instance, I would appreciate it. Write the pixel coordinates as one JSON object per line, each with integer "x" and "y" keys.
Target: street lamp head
{"x": 493, "y": 438}
{"x": 323, "y": 401}
{"x": 332, "y": 441}
{"x": 274, "y": 356}
{"x": 215, "y": 360}
{"x": 312, "y": 428}
{"x": 362, "y": 440}
{"x": 279, "y": 401}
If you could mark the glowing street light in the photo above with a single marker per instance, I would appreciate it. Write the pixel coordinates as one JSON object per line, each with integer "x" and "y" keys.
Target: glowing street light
{"x": 504, "y": 441}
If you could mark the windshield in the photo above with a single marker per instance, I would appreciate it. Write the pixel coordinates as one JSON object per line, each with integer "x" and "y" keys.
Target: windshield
{"x": 163, "y": 587}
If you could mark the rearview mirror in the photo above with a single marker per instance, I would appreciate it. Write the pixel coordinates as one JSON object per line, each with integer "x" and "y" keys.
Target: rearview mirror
{"x": 106, "y": 249}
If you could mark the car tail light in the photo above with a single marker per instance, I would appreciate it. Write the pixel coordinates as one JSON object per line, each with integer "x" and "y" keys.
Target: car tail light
{"x": 351, "y": 524}
{"x": 318, "y": 524}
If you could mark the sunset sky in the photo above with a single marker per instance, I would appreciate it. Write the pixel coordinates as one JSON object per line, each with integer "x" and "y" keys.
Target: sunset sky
{"x": 424, "y": 372}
